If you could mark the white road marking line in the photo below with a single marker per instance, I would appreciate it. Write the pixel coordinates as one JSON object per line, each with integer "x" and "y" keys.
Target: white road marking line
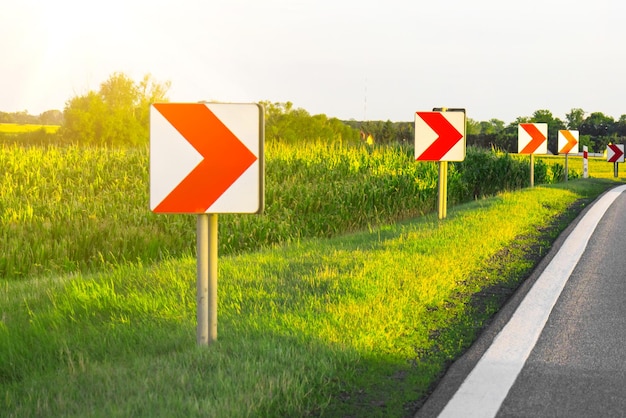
{"x": 488, "y": 384}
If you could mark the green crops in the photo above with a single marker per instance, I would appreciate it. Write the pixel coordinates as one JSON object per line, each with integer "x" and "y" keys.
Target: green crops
{"x": 65, "y": 209}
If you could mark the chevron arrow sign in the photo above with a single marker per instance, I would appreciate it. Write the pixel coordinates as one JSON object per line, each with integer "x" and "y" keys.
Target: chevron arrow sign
{"x": 206, "y": 158}
{"x": 532, "y": 138}
{"x": 440, "y": 136}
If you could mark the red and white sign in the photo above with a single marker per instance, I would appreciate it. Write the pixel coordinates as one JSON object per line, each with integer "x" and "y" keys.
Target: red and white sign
{"x": 532, "y": 138}
{"x": 615, "y": 153}
{"x": 440, "y": 136}
{"x": 568, "y": 142}
{"x": 206, "y": 158}
{"x": 585, "y": 162}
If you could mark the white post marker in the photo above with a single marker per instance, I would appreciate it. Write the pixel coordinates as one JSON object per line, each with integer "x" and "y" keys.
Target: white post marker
{"x": 205, "y": 159}
{"x": 585, "y": 162}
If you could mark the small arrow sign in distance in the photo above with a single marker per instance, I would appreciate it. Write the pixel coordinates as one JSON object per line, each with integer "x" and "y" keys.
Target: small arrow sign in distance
{"x": 615, "y": 153}
{"x": 206, "y": 158}
{"x": 440, "y": 136}
{"x": 532, "y": 138}
{"x": 568, "y": 142}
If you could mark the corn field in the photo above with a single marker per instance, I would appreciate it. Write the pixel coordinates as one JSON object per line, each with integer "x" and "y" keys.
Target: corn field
{"x": 65, "y": 209}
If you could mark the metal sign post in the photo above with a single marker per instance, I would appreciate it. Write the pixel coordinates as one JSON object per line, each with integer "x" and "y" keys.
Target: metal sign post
{"x": 206, "y": 254}
{"x": 212, "y": 277}
{"x": 532, "y": 170}
{"x": 442, "y": 205}
{"x": 202, "y": 257}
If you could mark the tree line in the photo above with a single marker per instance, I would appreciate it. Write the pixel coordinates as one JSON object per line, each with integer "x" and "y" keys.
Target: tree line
{"x": 118, "y": 114}
{"x": 596, "y": 130}
{"x": 284, "y": 123}
{"x": 49, "y": 117}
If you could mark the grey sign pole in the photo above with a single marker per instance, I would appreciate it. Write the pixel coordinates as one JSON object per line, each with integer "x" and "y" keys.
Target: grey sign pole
{"x": 202, "y": 257}
{"x": 206, "y": 254}
{"x": 212, "y": 277}
{"x": 532, "y": 170}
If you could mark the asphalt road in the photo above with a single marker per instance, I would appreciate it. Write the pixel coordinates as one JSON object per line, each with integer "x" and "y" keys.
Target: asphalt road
{"x": 558, "y": 348}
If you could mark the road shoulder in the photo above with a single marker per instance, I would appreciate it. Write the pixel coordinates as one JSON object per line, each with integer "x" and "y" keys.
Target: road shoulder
{"x": 459, "y": 370}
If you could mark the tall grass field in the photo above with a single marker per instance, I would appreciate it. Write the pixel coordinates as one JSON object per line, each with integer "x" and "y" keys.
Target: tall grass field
{"x": 347, "y": 297}
{"x": 66, "y": 209}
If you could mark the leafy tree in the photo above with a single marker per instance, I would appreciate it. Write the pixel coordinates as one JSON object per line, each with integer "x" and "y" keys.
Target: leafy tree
{"x": 285, "y": 124}
{"x": 472, "y": 127}
{"x": 118, "y": 114}
{"x": 600, "y": 128}
{"x": 597, "y": 124}
{"x": 487, "y": 128}
{"x": 84, "y": 119}
{"x": 620, "y": 128}
{"x": 575, "y": 118}
{"x": 485, "y": 134}
{"x": 497, "y": 124}
{"x": 51, "y": 117}
{"x": 554, "y": 125}
{"x": 388, "y": 132}
{"x": 405, "y": 132}
{"x": 22, "y": 117}
{"x": 585, "y": 140}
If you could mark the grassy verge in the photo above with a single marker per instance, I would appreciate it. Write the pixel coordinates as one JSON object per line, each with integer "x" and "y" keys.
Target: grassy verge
{"x": 359, "y": 325}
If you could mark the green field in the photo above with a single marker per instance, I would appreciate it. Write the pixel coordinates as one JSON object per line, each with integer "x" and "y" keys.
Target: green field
{"x": 67, "y": 209}
{"x": 16, "y": 128}
{"x": 598, "y": 166}
{"x": 346, "y": 298}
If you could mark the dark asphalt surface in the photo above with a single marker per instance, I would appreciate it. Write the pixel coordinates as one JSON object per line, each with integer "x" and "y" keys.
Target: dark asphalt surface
{"x": 578, "y": 366}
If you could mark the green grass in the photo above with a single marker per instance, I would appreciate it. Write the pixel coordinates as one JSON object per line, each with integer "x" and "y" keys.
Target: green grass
{"x": 356, "y": 325}
{"x": 16, "y": 128}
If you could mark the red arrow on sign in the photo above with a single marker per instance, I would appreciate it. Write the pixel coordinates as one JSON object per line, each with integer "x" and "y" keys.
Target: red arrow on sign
{"x": 449, "y": 136}
{"x": 617, "y": 153}
{"x": 537, "y": 138}
{"x": 225, "y": 158}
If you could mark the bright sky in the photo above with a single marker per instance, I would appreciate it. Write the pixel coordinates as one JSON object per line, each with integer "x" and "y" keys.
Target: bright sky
{"x": 365, "y": 59}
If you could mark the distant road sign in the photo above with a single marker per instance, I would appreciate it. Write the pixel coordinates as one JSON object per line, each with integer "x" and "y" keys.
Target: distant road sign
{"x": 615, "y": 153}
{"x": 440, "y": 136}
{"x": 532, "y": 138}
{"x": 568, "y": 142}
{"x": 206, "y": 158}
